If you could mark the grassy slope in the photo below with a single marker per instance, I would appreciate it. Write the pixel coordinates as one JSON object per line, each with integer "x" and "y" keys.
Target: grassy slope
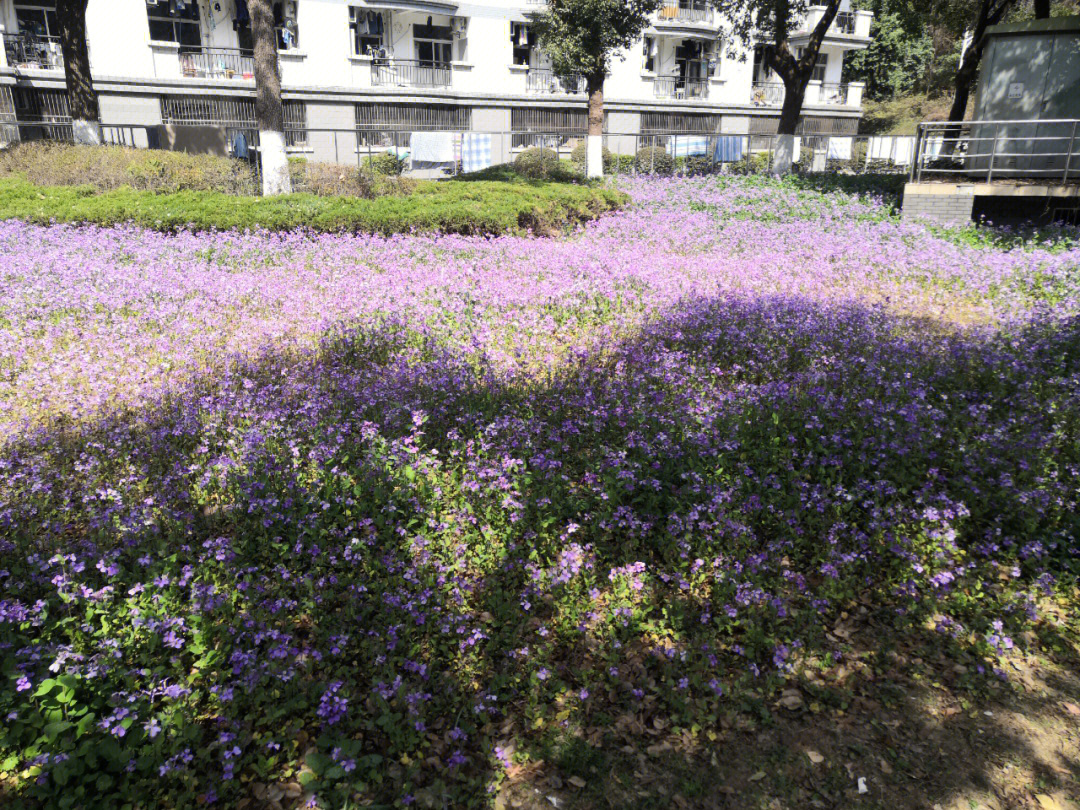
{"x": 900, "y": 116}
{"x": 482, "y": 207}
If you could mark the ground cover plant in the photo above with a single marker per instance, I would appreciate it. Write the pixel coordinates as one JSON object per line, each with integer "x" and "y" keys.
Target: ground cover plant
{"x": 749, "y": 495}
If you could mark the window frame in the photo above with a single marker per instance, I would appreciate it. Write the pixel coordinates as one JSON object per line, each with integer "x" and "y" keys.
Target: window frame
{"x": 177, "y": 25}
{"x": 45, "y": 10}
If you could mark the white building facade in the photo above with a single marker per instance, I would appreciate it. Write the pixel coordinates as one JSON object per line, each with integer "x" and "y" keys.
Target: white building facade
{"x": 352, "y": 69}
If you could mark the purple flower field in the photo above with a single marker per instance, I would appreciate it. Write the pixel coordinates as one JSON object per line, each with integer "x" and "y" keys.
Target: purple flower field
{"x": 385, "y": 519}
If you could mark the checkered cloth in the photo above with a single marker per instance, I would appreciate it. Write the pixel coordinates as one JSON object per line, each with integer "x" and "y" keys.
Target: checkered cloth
{"x": 475, "y": 151}
{"x": 687, "y": 145}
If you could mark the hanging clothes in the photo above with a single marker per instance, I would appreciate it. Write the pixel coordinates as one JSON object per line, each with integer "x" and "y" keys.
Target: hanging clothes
{"x": 239, "y": 146}
{"x": 242, "y": 18}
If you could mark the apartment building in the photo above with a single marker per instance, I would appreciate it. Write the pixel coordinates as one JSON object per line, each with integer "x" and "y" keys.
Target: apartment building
{"x": 354, "y": 70}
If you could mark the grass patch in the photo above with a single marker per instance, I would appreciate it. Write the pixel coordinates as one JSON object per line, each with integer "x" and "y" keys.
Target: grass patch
{"x": 470, "y": 207}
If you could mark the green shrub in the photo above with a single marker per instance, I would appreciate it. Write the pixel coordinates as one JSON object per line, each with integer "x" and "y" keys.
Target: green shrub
{"x": 697, "y": 165}
{"x": 755, "y": 163}
{"x": 537, "y": 163}
{"x": 386, "y": 164}
{"x": 577, "y": 158}
{"x": 111, "y": 167}
{"x": 450, "y": 206}
{"x": 654, "y": 160}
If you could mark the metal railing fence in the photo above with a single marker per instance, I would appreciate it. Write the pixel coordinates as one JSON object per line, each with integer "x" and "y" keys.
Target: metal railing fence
{"x": 409, "y": 73}
{"x": 217, "y": 63}
{"x": 998, "y": 150}
{"x": 678, "y": 87}
{"x": 33, "y": 51}
{"x": 539, "y": 80}
{"x": 696, "y": 11}
{"x": 452, "y": 152}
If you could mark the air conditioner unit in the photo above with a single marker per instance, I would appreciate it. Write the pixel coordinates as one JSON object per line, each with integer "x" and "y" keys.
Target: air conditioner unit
{"x": 459, "y": 26}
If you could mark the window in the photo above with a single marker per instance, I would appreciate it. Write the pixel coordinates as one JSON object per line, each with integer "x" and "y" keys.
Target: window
{"x": 174, "y": 21}
{"x": 649, "y": 48}
{"x": 234, "y": 114}
{"x": 36, "y": 18}
{"x": 761, "y": 71}
{"x": 288, "y": 32}
{"x": 367, "y": 29}
{"x": 433, "y": 44}
{"x": 523, "y": 40}
{"x": 548, "y": 127}
{"x": 819, "y": 67}
{"x": 386, "y": 125}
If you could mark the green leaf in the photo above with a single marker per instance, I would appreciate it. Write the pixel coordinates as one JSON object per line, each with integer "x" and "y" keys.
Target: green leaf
{"x": 54, "y": 729}
{"x": 45, "y": 687}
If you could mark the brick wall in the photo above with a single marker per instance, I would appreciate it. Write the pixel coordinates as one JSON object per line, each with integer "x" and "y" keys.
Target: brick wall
{"x": 936, "y": 205}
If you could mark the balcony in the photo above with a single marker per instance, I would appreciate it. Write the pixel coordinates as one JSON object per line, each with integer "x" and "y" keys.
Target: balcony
{"x": 33, "y": 52}
{"x": 409, "y": 73}
{"x": 548, "y": 82}
{"x": 675, "y": 87}
{"x": 217, "y": 63}
{"x": 831, "y": 94}
{"x": 685, "y": 11}
{"x": 850, "y": 29}
{"x": 767, "y": 94}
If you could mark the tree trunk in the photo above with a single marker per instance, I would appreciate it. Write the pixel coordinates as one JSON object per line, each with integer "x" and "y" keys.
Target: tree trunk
{"x": 1042, "y": 9}
{"x": 82, "y": 100}
{"x": 794, "y": 95}
{"x": 269, "y": 114}
{"x": 594, "y": 140}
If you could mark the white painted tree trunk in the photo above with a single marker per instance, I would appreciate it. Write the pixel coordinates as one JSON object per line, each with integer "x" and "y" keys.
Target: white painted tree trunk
{"x": 86, "y": 132}
{"x": 274, "y": 162}
{"x": 594, "y": 155}
{"x": 784, "y": 154}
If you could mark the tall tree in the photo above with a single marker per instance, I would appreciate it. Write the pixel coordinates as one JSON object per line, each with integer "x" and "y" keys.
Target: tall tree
{"x": 774, "y": 21}
{"x": 581, "y": 36}
{"x": 82, "y": 100}
{"x": 269, "y": 113}
{"x": 984, "y": 14}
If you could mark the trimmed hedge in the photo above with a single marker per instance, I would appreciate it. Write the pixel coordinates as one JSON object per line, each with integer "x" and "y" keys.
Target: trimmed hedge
{"x": 654, "y": 160}
{"x": 450, "y": 206}
{"x": 537, "y": 163}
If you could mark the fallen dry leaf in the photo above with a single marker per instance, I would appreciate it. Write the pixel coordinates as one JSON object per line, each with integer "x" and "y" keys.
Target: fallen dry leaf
{"x": 815, "y": 757}
{"x": 576, "y": 781}
{"x": 757, "y": 777}
{"x": 1072, "y": 708}
{"x": 1047, "y": 802}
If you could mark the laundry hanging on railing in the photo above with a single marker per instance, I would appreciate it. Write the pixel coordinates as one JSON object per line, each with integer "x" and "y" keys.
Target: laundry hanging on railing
{"x": 839, "y": 149}
{"x": 729, "y": 149}
{"x": 688, "y": 145}
{"x": 433, "y": 147}
{"x": 892, "y": 149}
{"x": 475, "y": 151}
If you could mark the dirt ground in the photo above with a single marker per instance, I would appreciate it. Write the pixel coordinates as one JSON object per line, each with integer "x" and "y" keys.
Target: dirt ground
{"x": 892, "y": 729}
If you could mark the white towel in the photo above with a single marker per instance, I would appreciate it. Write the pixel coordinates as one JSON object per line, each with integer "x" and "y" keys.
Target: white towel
{"x": 903, "y": 148}
{"x": 880, "y": 147}
{"x": 839, "y": 149}
{"x": 433, "y": 147}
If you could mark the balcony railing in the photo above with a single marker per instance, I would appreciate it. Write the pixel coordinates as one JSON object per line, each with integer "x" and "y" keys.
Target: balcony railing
{"x": 845, "y": 23}
{"x": 217, "y": 63}
{"x": 32, "y": 51}
{"x": 410, "y": 73}
{"x": 685, "y": 12}
{"x": 767, "y": 94}
{"x": 676, "y": 87}
{"x": 834, "y": 93}
{"x": 547, "y": 81}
